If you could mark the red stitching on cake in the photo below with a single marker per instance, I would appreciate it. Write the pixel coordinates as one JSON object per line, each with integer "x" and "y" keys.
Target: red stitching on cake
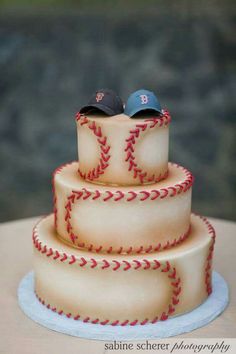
{"x": 120, "y": 196}
{"x": 104, "y": 158}
{"x": 94, "y": 263}
{"x": 164, "y": 316}
{"x": 129, "y": 250}
{"x": 86, "y": 319}
{"x": 44, "y": 249}
{"x": 114, "y": 265}
{"x": 109, "y": 196}
{"x": 117, "y": 264}
{"x": 208, "y": 267}
{"x": 131, "y": 141}
{"x": 166, "y": 268}
{"x": 129, "y": 146}
{"x": 95, "y": 321}
{"x": 176, "y": 284}
{"x": 139, "y": 264}
{"x": 149, "y": 249}
{"x": 133, "y": 196}
{"x": 155, "y": 320}
{"x": 153, "y": 194}
{"x": 144, "y": 322}
{"x": 50, "y": 252}
{"x": 97, "y": 195}
{"x": 57, "y": 255}
{"x": 171, "y": 273}
{"x": 147, "y": 264}
{"x": 142, "y": 126}
{"x": 171, "y": 310}
{"x": 109, "y": 250}
{"x": 116, "y": 196}
{"x": 73, "y": 259}
{"x": 57, "y": 170}
{"x": 105, "y": 149}
{"x": 157, "y": 264}
{"x": 177, "y": 291}
{"x": 98, "y": 249}
{"x": 164, "y": 192}
{"x": 175, "y": 300}
{"x": 127, "y": 265}
{"x": 146, "y": 195}
{"x": 63, "y": 258}
{"x": 106, "y": 264}
{"x": 168, "y": 245}
{"x": 83, "y": 263}
{"x": 87, "y": 194}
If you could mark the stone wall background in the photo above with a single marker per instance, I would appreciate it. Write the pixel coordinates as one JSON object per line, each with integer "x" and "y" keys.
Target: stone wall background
{"x": 53, "y": 58}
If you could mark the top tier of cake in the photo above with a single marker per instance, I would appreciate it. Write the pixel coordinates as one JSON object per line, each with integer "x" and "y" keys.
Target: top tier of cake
{"x": 120, "y": 150}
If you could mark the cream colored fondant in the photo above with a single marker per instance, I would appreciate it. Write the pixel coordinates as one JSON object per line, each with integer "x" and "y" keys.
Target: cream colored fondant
{"x": 117, "y": 224}
{"x": 150, "y": 148}
{"x": 105, "y": 294}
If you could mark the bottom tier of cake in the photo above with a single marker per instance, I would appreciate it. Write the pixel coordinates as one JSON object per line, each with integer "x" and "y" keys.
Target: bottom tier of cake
{"x": 123, "y": 289}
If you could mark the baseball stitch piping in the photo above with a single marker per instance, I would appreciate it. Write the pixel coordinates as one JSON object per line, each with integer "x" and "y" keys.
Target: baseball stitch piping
{"x": 175, "y": 283}
{"x": 91, "y": 262}
{"x": 104, "y": 148}
{"x": 208, "y": 268}
{"x": 131, "y": 195}
{"x": 49, "y": 252}
{"x": 129, "y": 150}
{"x": 57, "y": 170}
{"x": 124, "y": 265}
{"x": 130, "y": 250}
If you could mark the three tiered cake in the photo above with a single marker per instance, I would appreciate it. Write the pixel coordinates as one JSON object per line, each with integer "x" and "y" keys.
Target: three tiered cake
{"x": 122, "y": 247}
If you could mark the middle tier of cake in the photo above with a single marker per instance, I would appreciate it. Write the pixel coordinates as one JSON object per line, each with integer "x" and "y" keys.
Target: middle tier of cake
{"x": 127, "y": 219}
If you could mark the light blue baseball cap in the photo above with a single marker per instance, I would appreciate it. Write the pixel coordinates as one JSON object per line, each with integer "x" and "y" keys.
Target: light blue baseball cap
{"x": 141, "y": 100}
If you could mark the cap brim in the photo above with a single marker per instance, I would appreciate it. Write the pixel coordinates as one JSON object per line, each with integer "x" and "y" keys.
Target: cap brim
{"x": 101, "y": 107}
{"x": 140, "y": 109}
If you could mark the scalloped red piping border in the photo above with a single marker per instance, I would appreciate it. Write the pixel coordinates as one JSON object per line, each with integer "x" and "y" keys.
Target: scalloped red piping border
{"x": 130, "y": 158}
{"x": 104, "y": 148}
{"x": 164, "y": 267}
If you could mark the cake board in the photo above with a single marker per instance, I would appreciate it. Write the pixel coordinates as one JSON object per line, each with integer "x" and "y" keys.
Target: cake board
{"x": 199, "y": 317}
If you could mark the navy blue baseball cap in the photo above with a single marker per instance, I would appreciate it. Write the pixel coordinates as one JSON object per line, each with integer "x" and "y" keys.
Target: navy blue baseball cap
{"x": 106, "y": 101}
{"x": 142, "y": 100}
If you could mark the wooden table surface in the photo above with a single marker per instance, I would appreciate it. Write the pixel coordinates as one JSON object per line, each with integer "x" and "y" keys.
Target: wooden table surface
{"x": 19, "y": 334}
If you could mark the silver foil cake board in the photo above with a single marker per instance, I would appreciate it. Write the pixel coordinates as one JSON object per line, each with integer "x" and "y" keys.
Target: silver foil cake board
{"x": 199, "y": 317}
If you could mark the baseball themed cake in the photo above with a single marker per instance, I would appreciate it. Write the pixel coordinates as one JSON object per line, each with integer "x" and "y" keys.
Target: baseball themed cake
{"x": 122, "y": 247}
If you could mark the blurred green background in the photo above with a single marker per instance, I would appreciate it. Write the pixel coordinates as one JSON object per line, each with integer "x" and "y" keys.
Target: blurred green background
{"x": 55, "y": 54}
